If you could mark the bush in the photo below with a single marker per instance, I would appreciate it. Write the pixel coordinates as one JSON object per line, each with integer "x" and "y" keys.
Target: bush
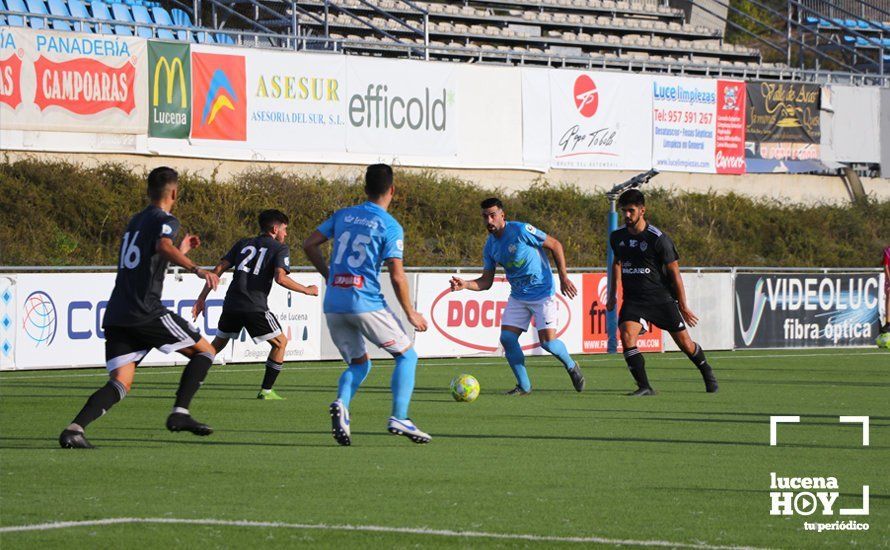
{"x": 56, "y": 213}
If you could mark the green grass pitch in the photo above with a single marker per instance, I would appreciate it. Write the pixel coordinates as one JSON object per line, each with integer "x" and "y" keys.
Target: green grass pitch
{"x": 680, "y": 468}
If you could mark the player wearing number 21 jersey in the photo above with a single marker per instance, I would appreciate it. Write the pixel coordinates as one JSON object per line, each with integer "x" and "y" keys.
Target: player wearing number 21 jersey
{"x": 364, "y": 238}
{"x": 135, "y": 320}
{"x": 258, "y": 261}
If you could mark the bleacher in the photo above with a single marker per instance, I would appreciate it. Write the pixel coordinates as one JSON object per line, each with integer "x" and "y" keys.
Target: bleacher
{"x": 857, "y": 30}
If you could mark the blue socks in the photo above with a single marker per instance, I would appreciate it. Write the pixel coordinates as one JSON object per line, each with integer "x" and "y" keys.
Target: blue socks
{"x": 403, "y": 382}
{"x": 516, "y": 359}
{"x": 558, "y": 349}
{"x": 351, "y": 379}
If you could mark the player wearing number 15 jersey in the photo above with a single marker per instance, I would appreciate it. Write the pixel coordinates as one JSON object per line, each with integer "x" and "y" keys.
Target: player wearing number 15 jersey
{"x": 136, "y": 321}
{"x": 258, "y": 261}
{"x": 364, "y": 237}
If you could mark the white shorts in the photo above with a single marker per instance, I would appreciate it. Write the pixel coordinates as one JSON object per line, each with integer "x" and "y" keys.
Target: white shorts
{"x": 381, "y": 327}
{"x": 519, "y": 313}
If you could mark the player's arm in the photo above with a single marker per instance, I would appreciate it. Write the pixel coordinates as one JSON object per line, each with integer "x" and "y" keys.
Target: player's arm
{"x": 168, "y": 251}
{"x": 220, "y": 268}
{"x": 482, "y": 283}
{"x": 613, "y": 284}
{"x": 400, "y": 285}
{"x": 673, "y": 271}
{"x": 282, "y": 278}
{"x": 189, "y": 242}
{"x": 559, "y": 258}
{"x": 312, "y": 248}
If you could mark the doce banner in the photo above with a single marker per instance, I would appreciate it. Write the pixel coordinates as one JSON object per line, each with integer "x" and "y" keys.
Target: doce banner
{"x": 70, "y": 82}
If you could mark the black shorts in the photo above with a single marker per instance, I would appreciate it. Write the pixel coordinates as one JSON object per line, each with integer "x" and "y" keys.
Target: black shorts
{"x": 665, "y": 316}
{"x": 129, "y": 344}
{"x": 261, "y": 325}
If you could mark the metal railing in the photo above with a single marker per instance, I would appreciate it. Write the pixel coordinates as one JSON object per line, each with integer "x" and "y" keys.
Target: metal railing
{"x": 478, "y": 55}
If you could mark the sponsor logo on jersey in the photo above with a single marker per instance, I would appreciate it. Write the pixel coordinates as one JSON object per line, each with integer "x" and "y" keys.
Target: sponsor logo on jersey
{"x": 348, "y": 280}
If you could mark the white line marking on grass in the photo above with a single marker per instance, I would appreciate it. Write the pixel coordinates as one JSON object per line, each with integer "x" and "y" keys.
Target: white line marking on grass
{"x": 361, "y": 528}
{"x": 221, "y": 369}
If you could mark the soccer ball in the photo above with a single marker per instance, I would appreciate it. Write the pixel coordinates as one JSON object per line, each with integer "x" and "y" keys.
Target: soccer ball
{"x": 883, "y": 340}
{"x": 465, "y": 388}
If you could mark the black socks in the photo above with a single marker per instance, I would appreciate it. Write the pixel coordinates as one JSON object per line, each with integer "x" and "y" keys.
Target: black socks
{"x": 272, "y": 370}
{"x": 637, "y": 365}
{"x": 98, "y": 404}
{"x": 192, "y": 377}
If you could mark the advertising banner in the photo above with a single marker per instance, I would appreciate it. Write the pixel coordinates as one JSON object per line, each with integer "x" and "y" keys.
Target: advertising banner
{"x": 469, "y": 323}
{"x": 296, "y": 101}
{"x": 170, "y": 90}
{"x": 698, "y": 125}
{"x": 219, "y": 95}
{"x": 8, "y": 322}
{"x": 300, "y": 318}
{"x": 729, "y": 154}
{"x": 806, "y": 310}
{"x": 783, "y": 126}
{"x": 594, "y": 294}
{"x": 600, "y": 120}
{"x": 60, "y": 319}
{"x": 399, "y": 107}
{"x": 70, "y": 82}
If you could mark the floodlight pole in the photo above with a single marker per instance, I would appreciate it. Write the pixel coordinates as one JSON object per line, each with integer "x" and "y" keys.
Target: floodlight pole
{"x": 612, "y": 225}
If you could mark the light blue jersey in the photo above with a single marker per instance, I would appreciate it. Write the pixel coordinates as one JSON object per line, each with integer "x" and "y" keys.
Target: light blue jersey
{"x": 364, "y": 236}
{"x": 519, "y": 250}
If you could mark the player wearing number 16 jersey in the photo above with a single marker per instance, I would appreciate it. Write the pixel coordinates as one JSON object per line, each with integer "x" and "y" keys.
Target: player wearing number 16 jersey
{"x": 136, "y": 321}
{"x": 364, "y": 237}
{"x": 258, "y": 261}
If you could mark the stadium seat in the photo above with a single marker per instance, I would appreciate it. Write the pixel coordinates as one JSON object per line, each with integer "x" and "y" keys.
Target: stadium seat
{"x": 100, "y": 11}
{"x": 204, "y": 38}
{"x": 162, "y": 17}
{"x": 16, "y": 20}
{"x": 37, "y": 7}
{"x": 122, "y": 13}
{"x": 181, "y": 19}
{"x": 77, "y": 9}
{"x": 141, "y": 15}
{"x": 58, "y": 7}
{"x": 222, "y": 38}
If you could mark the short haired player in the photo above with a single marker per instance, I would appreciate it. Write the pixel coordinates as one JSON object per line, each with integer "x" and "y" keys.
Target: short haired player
{"x": 258, "y": 261}
{"x": 365, "y": 237}
{"x": 646, "y": 263}
{"x": 522, "y": 249}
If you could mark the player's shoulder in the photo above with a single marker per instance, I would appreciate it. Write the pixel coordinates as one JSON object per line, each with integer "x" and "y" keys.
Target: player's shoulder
{"x": 653, "y": 231}
{"x": 619, "y": 233}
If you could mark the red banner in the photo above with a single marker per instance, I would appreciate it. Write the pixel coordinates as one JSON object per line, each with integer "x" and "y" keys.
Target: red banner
{"x": 730, "y": 136}
{"x": 11, "y": 81}
{"x": 595, "y": 337}
{"x": 85, "y": 86}
{"x": 219, "y": 97}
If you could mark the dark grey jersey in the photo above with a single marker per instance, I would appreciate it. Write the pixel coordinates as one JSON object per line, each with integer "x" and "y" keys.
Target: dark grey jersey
{"x": 136, "y": 297}
{"x": 643, "y": 259}
{"x": 255, "y": 260}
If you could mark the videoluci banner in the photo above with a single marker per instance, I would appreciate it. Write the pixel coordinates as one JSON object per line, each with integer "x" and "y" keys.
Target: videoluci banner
{"x": 806, "y": 310}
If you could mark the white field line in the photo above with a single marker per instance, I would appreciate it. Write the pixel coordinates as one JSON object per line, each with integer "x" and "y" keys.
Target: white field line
{"x": 361, "y": 528}
{"x": 222, "y": 369}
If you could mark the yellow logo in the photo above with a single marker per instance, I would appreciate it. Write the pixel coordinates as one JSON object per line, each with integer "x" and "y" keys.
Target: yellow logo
{"x": 170, "y": 69}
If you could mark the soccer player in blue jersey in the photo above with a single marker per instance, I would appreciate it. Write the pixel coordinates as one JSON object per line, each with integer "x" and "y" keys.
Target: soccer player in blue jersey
{"x": 364, "y": 237}
{"x": 521, "y": 249}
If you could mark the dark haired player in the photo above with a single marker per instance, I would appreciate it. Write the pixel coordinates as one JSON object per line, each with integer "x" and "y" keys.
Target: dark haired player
{"x": 258, "y": 261}
{"x": 646, "y": 262}
{"x": 136, "y": 321}
{"x": 365, "y": 236}
{"x": 520, "y": 248}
